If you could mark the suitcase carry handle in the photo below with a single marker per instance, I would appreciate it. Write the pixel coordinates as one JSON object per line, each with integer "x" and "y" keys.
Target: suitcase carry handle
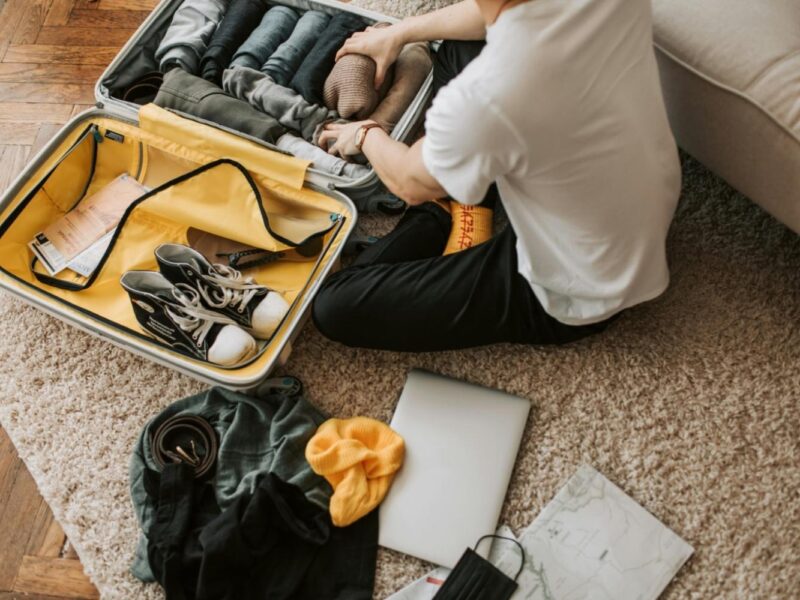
{"x": 77, "y": 287}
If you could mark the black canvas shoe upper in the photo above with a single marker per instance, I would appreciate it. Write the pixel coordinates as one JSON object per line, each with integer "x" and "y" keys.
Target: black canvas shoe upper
{"x": 221, "y": 288}
{"x": 175, "y": 316}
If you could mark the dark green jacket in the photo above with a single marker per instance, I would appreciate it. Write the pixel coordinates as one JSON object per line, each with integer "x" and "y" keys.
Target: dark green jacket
{"x": 256, "y": 436}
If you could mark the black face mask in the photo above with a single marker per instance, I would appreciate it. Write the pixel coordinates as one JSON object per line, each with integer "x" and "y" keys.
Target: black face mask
{"x": 475, "y": 578}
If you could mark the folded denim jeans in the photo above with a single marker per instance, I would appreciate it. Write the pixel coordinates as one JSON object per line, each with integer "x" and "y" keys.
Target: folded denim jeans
{"x": 285, "y": 61}
{"x": 288, "y": 107}
{"x": 200, "y": 98}
{"x": 240, "y": 19}
{"x": 274, "y": 29}
{"x": 187, "y": 36}
{"x": 309, "y": 80}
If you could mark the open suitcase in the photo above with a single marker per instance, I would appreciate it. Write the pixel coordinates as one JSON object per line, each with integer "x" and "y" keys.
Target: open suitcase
{"x": 201, "y": 176}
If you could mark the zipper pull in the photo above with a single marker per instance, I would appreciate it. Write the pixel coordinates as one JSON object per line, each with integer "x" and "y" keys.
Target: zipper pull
{"x": 96, "y": 133}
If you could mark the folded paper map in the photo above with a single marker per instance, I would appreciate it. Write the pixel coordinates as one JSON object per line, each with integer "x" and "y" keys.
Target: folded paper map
{"x": 594, "y": 542}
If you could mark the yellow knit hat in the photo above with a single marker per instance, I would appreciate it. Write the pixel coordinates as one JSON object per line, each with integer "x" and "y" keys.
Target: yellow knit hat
{"x": 359, "y": 458}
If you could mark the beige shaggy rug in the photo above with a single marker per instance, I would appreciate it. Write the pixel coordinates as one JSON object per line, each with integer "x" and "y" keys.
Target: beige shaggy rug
{"x": 689, "y": 404}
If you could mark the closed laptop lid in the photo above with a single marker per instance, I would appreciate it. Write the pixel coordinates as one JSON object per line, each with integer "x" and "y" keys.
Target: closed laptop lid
{"x": 461, "y": 445}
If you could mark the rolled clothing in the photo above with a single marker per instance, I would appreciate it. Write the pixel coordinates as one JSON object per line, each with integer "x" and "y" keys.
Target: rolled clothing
{"x": 200, "y": 98}
{"x": 321, "y": 160}
{"x": 256, "y": 436}
{"x": 275, "y": 28}
{"x": 187, "y": 37}
{"x": 309, "y": 80}
{"x": 350, "y": 87}
{"x": 288, "y": 107}
{"x": 410, "y": 71}
{"x": 240, "y": 20}
{"x": 285, "y": 61}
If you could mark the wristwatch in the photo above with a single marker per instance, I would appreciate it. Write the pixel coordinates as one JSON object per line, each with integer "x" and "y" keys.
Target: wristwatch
{"x": 361, "y": 134}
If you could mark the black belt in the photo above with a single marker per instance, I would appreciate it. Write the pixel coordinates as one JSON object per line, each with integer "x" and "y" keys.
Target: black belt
{"x": 186, "y": 439}
{"x": 143, "y": 90}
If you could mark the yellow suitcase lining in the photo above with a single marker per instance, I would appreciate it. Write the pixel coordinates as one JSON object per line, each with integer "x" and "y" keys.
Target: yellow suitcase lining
{"x": 252, "y": 195}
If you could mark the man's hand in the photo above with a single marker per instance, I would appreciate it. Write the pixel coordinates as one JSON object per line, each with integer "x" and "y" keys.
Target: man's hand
{"x": 343, "y": 136}
{"x": 382, "y": 44}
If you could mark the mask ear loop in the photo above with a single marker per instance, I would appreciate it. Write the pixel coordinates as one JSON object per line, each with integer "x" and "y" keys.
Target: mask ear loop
{"x": 508, "y": 539}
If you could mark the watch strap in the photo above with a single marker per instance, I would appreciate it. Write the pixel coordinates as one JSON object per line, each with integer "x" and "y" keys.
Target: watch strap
{"x": 361, "y": 134}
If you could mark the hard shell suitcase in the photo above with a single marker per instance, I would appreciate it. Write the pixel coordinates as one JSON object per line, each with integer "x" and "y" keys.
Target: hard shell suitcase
{"x": 269, "y": 200}
{"x": 136, "y": 59}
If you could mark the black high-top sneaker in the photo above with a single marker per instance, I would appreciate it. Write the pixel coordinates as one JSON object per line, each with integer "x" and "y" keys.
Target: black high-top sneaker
{"x": 223, "y": 289}
{"x": 175, "y": 316}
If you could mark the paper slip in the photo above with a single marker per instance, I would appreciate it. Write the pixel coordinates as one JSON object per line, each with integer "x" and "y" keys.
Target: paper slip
{"x": 78, "y": 230}
{"x": 425, "y": 587}
{"x": 86, "y": 262}
{"x": 594, "y": 541}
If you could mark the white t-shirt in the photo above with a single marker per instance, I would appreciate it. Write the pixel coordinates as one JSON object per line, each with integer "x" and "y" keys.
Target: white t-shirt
{"x": 563, "y": 109}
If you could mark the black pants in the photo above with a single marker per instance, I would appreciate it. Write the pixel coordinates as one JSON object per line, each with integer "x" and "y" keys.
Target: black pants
{"x": 402, "y": 294}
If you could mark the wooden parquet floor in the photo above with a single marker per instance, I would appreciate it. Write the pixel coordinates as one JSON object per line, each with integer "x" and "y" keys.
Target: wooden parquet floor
{"x": 51, "y": 54}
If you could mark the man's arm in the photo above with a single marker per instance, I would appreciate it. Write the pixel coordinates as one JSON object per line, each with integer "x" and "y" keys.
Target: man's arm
{"x": 400, "y": 168}
{"x": 462, "y": 21}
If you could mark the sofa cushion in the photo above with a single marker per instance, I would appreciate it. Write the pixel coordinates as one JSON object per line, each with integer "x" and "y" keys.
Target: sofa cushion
{"x": 730, "y": 71}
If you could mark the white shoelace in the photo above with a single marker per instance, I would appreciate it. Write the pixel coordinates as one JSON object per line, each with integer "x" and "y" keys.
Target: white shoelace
{"x": 236, "y": 291}
{"x": 193, "y": 318}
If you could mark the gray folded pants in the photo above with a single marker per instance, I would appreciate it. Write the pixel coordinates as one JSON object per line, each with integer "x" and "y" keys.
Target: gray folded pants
{"x": 200, "y": 98}
{"x": 287, "y": 106}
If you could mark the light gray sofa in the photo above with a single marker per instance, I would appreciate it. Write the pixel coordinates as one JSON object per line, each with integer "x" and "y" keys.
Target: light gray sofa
{"x": 730, "y": 71}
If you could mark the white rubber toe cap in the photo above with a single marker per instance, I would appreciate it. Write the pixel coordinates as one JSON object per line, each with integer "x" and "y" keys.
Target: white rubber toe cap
{"x": 268, "y": 315}
{"x": 232, "y": 346}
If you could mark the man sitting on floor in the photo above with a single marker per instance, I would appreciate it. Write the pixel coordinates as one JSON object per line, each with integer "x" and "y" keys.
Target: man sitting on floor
{"x": 561, "y": 107}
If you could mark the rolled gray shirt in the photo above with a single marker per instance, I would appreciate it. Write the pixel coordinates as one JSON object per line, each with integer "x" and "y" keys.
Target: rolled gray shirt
{"x": 287, "y": 106}
{"x": 187, "y": 37}
{"x": 320, "y": 159}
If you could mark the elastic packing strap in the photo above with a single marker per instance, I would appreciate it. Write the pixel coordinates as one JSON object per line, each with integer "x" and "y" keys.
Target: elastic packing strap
{"x": 75, "y": 287}
{"x": 508, "y": 539}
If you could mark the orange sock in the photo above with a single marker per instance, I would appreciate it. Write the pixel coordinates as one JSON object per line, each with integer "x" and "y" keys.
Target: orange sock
{"x": 472, "y": 225}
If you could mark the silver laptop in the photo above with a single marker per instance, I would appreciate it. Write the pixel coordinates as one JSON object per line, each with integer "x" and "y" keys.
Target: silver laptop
{"x": 461, "y": 445}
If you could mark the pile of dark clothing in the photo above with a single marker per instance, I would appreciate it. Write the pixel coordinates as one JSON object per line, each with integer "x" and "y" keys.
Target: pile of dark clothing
{"x": 230, "y": 508}
{"x": 270, "y": 72}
